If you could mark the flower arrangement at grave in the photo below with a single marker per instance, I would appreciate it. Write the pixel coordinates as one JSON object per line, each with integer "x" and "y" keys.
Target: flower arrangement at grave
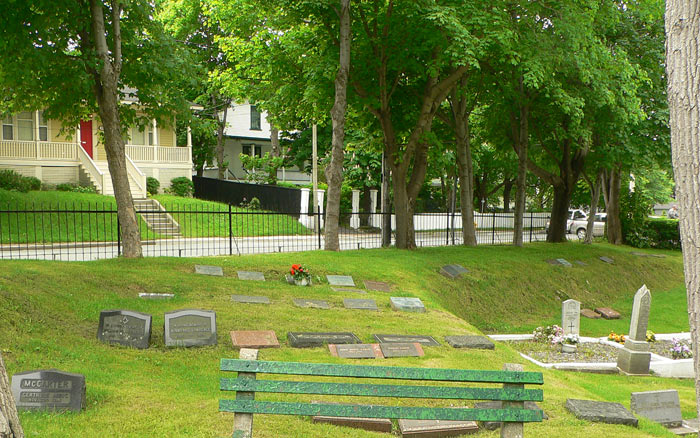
{"x": 620, "y": 339}
{"x": 651, "y": 336}
{"x": 679, "y": 350}
{"x": 550, "y": 334}
{"x": 300, "y": 275}
{"x": 570, "y": 339}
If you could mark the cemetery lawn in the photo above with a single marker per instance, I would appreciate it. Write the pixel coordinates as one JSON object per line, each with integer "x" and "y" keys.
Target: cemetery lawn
{"x": 50, "y": 311}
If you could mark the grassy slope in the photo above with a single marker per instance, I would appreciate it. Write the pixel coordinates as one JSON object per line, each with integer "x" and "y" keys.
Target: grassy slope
{"x": 50, "y": 310}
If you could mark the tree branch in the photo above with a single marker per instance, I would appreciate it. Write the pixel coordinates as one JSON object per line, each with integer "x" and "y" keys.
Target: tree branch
{"x": 116, "y": 27}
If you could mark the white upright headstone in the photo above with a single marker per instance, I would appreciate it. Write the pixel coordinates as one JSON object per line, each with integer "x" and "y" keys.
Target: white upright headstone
{"x": 375, "y": 220}
{"x": 571, "y": 317}
{"x": 640, "y": 314}
{"x": 355, "y": 217}
{"x": 635, "y": 357}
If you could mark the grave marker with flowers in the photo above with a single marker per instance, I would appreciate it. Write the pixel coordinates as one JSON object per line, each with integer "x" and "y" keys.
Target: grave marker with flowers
{"x": 300, "y": 275}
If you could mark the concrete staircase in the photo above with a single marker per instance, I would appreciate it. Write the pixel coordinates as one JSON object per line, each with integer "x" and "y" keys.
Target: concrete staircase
{"x": 108, "y": 189}
{"x": 156, "y": 217}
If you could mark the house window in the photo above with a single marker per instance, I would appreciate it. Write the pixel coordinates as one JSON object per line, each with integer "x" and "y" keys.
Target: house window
{"x": 43, "y": 128}
{"x": 141, "y": 136}
{"x": 249, "y": 149}
{"x": 254, "y": 118}
{"x": 25, "y": 126}
{"x": 7, "y": 131}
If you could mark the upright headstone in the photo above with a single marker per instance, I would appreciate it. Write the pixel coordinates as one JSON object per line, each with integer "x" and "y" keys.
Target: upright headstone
{"x": 209, "y": 270}
{"x": 662, "y": 407}
{"x": 571, "y": 317}
{"x": 190, "y": 328}
{"x": 355, "y": 217}
{"x": 340, "y": 280}
{"x": 634, "y": 357}
{"x": 51, "y": 390}
{"x": 376, "y": 219}
{"x": 124, "y": 327}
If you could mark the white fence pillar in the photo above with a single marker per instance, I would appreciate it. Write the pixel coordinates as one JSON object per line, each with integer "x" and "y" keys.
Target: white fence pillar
{"x": 319, "y": 199}
{"x": 375, "y": 219}
{"x": 304, "y": 217}
{"x": 355, "y": 217}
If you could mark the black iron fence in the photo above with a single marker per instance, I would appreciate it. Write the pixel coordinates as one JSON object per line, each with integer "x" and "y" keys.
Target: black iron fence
{"x": 92, "y": 232}
{"x": 272, "y": 198}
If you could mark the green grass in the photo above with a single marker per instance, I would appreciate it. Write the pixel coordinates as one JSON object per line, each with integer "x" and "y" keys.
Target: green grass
{"x": 50, "y": 311}
{"x": 197, "y": 218}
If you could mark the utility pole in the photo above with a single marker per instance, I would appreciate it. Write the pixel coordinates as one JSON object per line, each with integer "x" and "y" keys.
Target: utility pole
{"x": 314, "y": 175}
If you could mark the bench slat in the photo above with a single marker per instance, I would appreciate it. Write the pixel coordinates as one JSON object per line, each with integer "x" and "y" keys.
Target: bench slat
{"x": 381, "y": 372}
{"x": 358, "y": 389}
{"x": 375, "y": 411}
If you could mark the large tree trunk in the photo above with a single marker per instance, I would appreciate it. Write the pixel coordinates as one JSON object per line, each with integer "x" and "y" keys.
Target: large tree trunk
{"x": 9, "y": 421}
{"x": 465, "y": 167}
{"x": 682, "y": 61}
{"x": 334, "y": 171}
{"x": 221, "y": 125}
{"x": 560, "y": 214}
{"x": 386, "y": 203}
{"x": 107, "y": 94}
{"x": 507, "y": 189}
{"x": 595, "y": 198}
{"x": 612, "y": 189}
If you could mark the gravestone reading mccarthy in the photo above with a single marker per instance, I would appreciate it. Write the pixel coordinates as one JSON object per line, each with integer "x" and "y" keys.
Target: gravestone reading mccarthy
{"x": 190, "y": 328}
{"x": 634, "y": 356}
{"x": 51, "y": 390}
{"x": 571, "y": 317}
{"x": 124, "y": 327}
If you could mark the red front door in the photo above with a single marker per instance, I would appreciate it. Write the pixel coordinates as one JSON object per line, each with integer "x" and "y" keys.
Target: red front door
{"x": 86, "y": 136}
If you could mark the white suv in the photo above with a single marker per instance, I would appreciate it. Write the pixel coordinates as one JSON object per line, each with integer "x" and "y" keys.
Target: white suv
{"x": 574, "y": 215}
{"x": 579, "y": 226}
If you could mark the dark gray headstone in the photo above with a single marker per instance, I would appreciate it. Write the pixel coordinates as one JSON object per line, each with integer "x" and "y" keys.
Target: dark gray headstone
{"x": 318, "y": 339}
{"x": 601, "y": 412}
{"x": 124, "y": 327}
{"x": 209, "y": 270}
{"x": 662, "y": 407}
{"x": 313, "y": 304}
{"x": 493, "y": 425}
{"x": 250, "y": 299}
{"x": 353, "y": 303}
{"x": 436, "y": 428}
{"x": 349, "y": 289}
{"x": 51, "y": 390}
{"x": 149, "y": 296}
{"x": 378, "y": 286}
{"x": 402, "y": 350}
{"x": 190, "y": 328}
{"x": 407, "y": 304}
{"x": 403, "y": 339}
{"x": 340, "y": 280}
{"x": 453, "y": 271}
{"x": 355, "y": 351}
{"x": 607, "y": 260}
{"x": 481, "y": 342}
{"x": 251, "y": 275}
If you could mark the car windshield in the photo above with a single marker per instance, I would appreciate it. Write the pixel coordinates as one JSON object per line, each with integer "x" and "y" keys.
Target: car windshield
{"x": 579, "y": 215}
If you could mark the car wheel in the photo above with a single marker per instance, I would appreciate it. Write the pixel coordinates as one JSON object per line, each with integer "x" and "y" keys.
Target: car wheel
{"x": 581, "y": 233}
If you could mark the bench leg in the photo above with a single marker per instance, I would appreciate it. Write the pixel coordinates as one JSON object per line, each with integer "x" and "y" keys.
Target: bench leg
{"x": 512, "y": 430}
{"x": 243, "y": 423}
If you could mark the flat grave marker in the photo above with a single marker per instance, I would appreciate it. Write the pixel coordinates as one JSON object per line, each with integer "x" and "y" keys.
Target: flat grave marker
{"x": 378, "y": 286}
{"x": 564, "y": 262}
{"x": 254, "y": 339}
{"x": 580, "y": 263}
{"x": 392, "y": 349}
{"x": 436, "y": 428}
{"x": 340, "y": 280}
{"x": 588, "y": 313}
{"x": 356, "y": 351}
{"x": 348, "y": 289}
{"x": 407, "y": 304}
{"x": 209, "y": 270}
{"x": 371, "y": 424}
{"x": 311, "y": 304}
{"x": 607, "y": 260}
{"x": 124, "y": 327}
{"x": 319, "y": 339}
{"x": 453, "y": 271}
{"x": 601, "y": 412}
{"x": 407, "y": 339}
{"x": 49, "y": 390}
{"x": 251, "y": 276}
{"x": 151, "y": 296}
{"x": 662, "y": 407}
{"x": 250, "y": 299}
{"x": 353, "y": 303}
{"x": 470, "y": 341}
{"x": 607, "y": 313}
{"x": 190, "y": 328}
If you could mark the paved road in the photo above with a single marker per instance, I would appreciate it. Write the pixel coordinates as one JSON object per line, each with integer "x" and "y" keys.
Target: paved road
{"x": 197, "y": 247}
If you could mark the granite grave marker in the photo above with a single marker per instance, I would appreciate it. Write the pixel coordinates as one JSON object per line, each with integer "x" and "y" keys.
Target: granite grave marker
{"x": 371, "y": 424}
{"x": 348, "y": 289}
{"x": 340, "y": 280}
{"x": 209, "y": 270}
{"x": 254, "y": 339}
{"x": 312, "y": 304}
{"x": 318, "y": 339}
{"x": 662, "y": 407}
{"x": 353, "y": 303}
{"x": 251, "y": 275}
{"x": 571, "y": 317}
{"x": 356, "y": 351}
{"x": 607, "y": 260}
{"x": 634, "y": 357}
{"x": 250, "y": 299}
{"x": 51, "y": 390}
{"x": 601, "y": 412}
{"x": 607, "y": 313}
{"x": 564, "y": 262}
{"x": 190, "y": 328}
{"x": 588, "y": 313}
{"x": 124, "y": 327}
{"x": 392, "y": 349}
{"x": 453, "y": 271}
{"x": 151, "y": 296}
{"x": 436, "y": 428}
{"x": 407, "y": 304}
{"x": 403, "y": 339}
{"x": 469, "y": 341}
{"x": 378, "y": 286}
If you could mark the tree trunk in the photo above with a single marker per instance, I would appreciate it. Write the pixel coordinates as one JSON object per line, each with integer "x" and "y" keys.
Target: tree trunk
{"x": 107, "y": 95}
{"x": 682, "y": 60}
{"x": 507, "y": 188}
{"x": 9, "y": 421}
{"x": 386, "y": 203}
{"x": 334, "y": 171}
{"x": 614, "y": 225}
{"x": 221, "y": 125}
{"x": 595, "y": 198}
{"x": 465, "y": 167}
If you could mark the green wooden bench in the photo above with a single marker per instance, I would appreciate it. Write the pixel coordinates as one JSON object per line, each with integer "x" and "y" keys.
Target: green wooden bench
{"x": 513, "y": 393}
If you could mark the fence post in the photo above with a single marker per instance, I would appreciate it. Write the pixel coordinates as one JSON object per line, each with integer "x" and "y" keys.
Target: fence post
{"x": 532, "y": 224}
{"x": 230, "y": 231}
{"x": 493, "y": 228}
{"x": 447, "y": 228}
{"x": 318, "y": 212}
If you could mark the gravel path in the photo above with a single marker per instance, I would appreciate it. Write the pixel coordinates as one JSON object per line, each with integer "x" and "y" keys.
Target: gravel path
{"x": 587, "y": 352}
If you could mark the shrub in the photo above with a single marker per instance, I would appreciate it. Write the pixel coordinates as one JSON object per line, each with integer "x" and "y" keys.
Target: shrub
{"x": 152, "y": 185}
{"x": 66, "y": 187}
{"x": 11, "y": 180}
{"x": 660, "y": 233}
{"x": 254, "y": 204}
{"x": 181, "y": 186}
{"x": 551, "y": 334}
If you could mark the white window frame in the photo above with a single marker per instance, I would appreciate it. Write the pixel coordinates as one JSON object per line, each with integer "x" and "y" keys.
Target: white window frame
{"x": 11, "y": 125}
